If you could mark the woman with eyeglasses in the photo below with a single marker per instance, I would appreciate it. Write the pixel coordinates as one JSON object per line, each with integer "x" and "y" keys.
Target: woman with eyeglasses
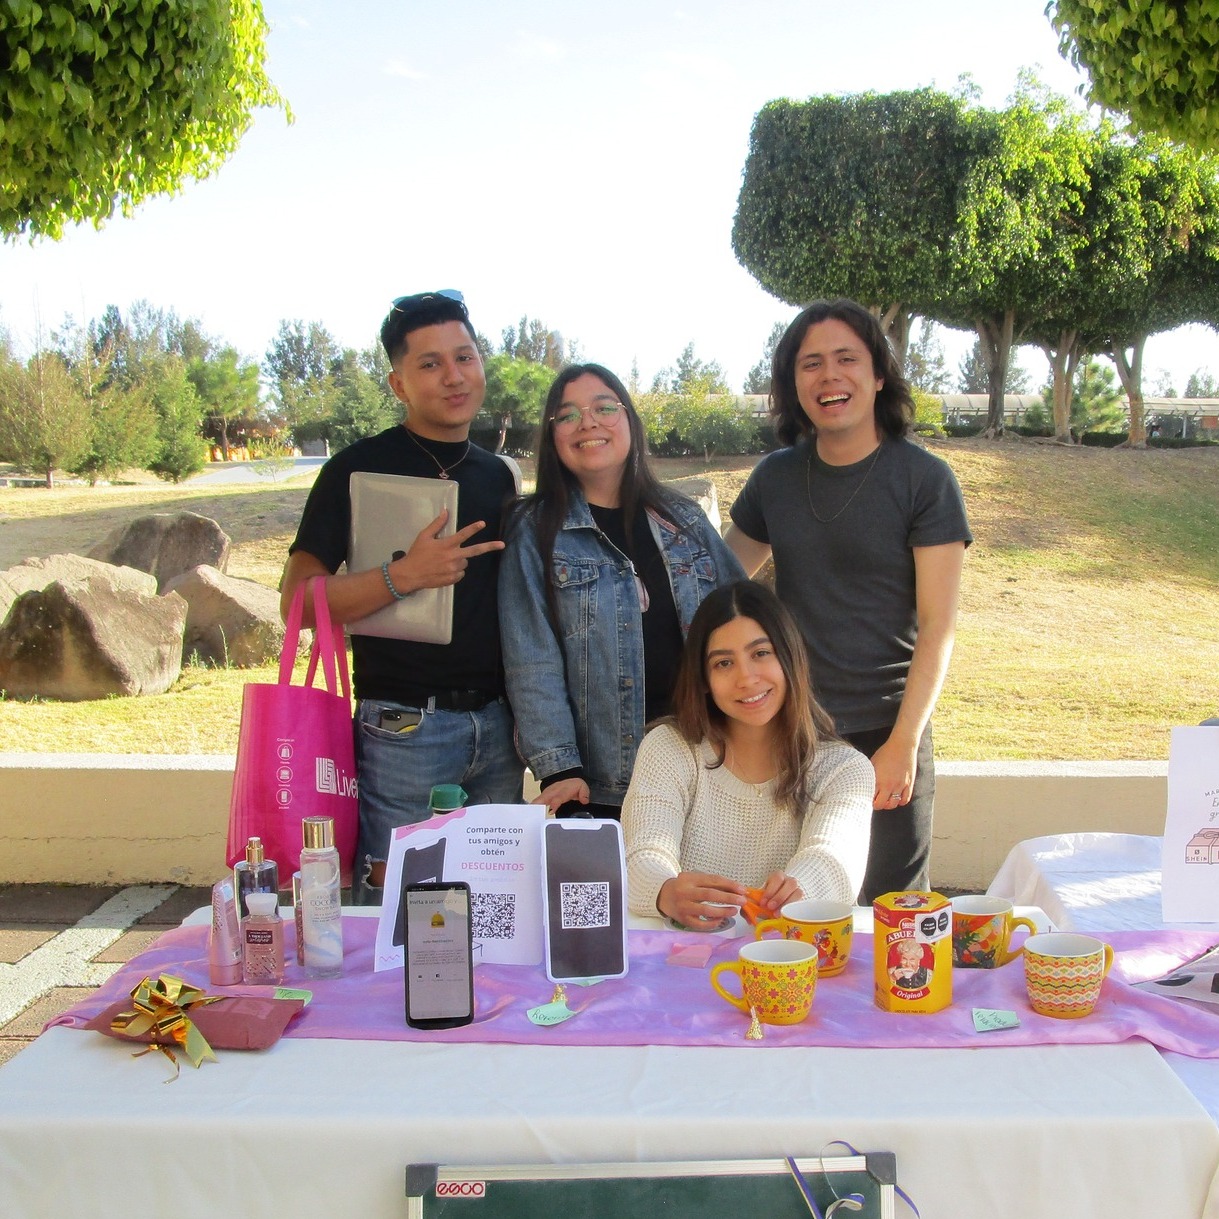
{"x": 603, "y": 571}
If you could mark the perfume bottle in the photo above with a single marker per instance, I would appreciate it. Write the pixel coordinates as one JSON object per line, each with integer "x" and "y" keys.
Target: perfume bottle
{"x": 262, "y": 941}
{"x": 321, "y": 909}
{"x": 254, "y": 874}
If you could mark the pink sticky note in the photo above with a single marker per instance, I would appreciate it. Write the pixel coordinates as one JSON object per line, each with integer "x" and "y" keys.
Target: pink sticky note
{"x": 694, "y": 955}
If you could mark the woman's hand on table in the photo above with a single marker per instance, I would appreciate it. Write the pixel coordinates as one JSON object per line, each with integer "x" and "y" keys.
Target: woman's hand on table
{"x": 700, "y": 901}
{"x": 561, "y": 793}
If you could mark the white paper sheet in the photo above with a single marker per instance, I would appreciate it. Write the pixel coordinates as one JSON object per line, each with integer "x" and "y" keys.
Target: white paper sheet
{"x": 1190, "y": 867}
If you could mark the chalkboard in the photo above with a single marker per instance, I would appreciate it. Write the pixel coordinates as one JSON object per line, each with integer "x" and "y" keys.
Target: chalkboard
{"x": 687, "y": 1189}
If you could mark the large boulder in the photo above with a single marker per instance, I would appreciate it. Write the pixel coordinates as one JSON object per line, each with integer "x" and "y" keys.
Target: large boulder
{"x": 38, "y": 573}
{"x": 230, "y": 621}
{"x": 166, "y": 544}
{"x": 702, "y": 491}
{"x": 82, "y": 639}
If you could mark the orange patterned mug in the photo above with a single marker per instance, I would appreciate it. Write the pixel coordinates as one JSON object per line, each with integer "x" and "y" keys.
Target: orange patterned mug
{"x": 778, "y": 978}
{"x": 982, "y": 931}
{"x": 827, "y": 925}
{"x": 1064, "y": 972}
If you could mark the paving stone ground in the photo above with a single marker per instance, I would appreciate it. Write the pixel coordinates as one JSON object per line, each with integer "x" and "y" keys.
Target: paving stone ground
{"x": 59, "y": 942}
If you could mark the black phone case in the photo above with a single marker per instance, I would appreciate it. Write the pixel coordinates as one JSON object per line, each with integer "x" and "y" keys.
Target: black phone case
{"x": 439, "y": 1022}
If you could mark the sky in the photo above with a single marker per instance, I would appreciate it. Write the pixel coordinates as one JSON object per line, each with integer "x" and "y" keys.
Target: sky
{"x": 575, "y": 162}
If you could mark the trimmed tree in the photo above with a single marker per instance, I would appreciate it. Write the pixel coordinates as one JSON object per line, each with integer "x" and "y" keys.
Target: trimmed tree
{"x": 1154, "y": 60}
{"x": 855, "y": 196}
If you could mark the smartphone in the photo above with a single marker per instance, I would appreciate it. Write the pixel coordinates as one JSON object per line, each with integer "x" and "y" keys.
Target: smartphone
{"x": 419, "y": 864}
{"x": 400, "y": 721}
{"x": 584, "y": 894}
{"x": 439, "y": 954}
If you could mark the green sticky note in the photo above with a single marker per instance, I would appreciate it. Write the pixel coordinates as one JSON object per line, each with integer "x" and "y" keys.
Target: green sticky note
{"x": 550, "y": 1013}
{"x": 291, "y": 992}
{"x": 987, "y": 1019}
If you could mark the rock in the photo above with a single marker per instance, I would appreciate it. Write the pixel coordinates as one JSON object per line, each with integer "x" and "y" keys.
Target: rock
{"x": 38, "y": 573}
{"x": 230, "y": 621}
{"x": 702, "y": 491}
{"x": 166, "y": 544}
{"x": 82, "y": 639}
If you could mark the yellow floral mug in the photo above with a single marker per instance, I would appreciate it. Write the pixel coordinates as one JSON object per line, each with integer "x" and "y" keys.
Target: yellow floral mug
{"x": 829, "y": 926}
{"x": 982, "y": 931}
{"x": 778, "y": 978}
{"x": 1063, "y": 973}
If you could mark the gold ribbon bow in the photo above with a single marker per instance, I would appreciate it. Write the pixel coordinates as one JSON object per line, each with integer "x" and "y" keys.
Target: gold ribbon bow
{"x": 161, "y": 1008}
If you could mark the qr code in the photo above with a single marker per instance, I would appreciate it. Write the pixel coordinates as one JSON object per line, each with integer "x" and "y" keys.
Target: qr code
{"x": 585, "y": 904}
{"x": 493, "y": 915}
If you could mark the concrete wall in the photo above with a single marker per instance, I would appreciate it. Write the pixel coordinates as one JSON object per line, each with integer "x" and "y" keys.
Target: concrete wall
{"x": 104, "y": 819}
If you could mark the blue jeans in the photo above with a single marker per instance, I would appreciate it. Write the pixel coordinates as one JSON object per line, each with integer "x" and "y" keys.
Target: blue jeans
{"x": 398, "y": 770}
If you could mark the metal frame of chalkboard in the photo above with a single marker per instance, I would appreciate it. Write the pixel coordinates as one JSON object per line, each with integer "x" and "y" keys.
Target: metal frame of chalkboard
{"x": 442, "y": 1191}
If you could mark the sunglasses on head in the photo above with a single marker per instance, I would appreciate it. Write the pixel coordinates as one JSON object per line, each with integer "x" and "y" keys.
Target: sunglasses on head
{"x": 420, "y": 300}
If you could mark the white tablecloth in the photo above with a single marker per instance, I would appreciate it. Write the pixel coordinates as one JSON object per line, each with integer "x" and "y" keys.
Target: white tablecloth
{"x": 325, "y": 1128}
{"x": 1088, "y": 882}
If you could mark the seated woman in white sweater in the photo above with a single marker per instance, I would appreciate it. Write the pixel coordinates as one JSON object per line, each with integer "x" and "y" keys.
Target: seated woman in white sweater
{"x": 746, "y": 785}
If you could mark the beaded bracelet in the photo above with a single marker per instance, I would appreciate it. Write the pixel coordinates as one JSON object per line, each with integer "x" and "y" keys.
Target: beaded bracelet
{"x": 393, "y": 592}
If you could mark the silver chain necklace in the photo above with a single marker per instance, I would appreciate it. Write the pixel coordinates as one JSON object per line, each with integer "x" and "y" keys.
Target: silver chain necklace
{"x": 442, "y": 471}
{"x": 808, "y": 485}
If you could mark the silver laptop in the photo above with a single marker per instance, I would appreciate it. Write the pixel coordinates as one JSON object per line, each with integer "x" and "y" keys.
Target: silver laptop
{"x": 388, "y": 511}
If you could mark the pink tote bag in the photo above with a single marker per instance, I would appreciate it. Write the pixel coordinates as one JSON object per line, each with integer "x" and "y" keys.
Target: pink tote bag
{"x": 295, "y": 749}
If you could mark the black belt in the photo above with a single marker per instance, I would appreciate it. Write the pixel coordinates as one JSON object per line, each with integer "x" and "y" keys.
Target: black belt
{"x": 447, "y": 700}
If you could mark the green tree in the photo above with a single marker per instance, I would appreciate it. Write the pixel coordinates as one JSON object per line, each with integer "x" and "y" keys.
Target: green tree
{"x": 363, "y": 404}
{"x": 973, "y": 377}
{"x": 516, "y": 393}
{"x": 1154, "y": 60}
{"x": 534, "y": 341}
{"x": 1095, "y": 404}
{"x": 44, "y": 420}
{"x": 104, "y": 105}
{"x": 855, "y": 196}
{"x": 300, "y": 368}
{"x": 227, "y": 387}
{"x": 926, "y": 368}
{"x": 1018, "y": 227}
{"x": 1180, "y": 215}
{"x": 1201, "y": 384}
{"x": 180, "y": 449}
{"x": 757, "y": 381}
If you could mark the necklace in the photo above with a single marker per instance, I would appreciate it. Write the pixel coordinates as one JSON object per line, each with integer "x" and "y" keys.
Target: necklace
{"x": 808, "y": 485}
{"x": 443, "y": 471}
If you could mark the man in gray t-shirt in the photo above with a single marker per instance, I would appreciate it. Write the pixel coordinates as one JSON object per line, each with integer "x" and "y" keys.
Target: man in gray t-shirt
{"x": 868, "y": 533}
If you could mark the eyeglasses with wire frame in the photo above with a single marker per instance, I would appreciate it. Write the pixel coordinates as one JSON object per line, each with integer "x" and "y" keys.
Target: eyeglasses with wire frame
{"x": 606, "y": 413}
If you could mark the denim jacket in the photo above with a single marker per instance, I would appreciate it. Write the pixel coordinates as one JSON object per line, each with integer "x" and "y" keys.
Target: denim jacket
{"x": 577, "y": 693}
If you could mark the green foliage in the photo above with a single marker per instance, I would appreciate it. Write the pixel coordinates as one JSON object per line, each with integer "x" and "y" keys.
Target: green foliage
{"x": 701, "y": 420}
{"x": 227, "y": 387}
{"x": 534, "y": 341}
{"x": 972, "y": 375}
{"x": 854, "y": 196}
{"x": 928, "y": 412}
{"x": 516, "y": 394}
{"x": 300, "y": 366}
{"x": 926, "y": 368}
{"x": 1201, "y": 384}
{"x": 1096, "y": 403}
{"x": 180, "y": 448}
{"x": 105, "y": 104}
{"x": 44, "y": 419}
{"x": 1155, "y": 60}
{"x": 363, "y": 404}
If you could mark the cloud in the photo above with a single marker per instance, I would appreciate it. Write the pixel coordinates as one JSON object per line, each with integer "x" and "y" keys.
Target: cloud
{"x": 537, "y": 47}
{"x": 402, "y": 70}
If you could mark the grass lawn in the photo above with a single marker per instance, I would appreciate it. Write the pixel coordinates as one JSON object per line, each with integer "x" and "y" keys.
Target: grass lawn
{"x": 1089, "y": 620}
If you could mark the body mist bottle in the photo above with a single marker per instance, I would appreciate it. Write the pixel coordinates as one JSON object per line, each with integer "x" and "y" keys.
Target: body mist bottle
{"x": 321, "y": 908}
{"x": 254, "y": 874}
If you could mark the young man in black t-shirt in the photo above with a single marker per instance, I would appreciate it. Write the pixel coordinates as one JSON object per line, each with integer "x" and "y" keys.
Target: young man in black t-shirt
{"x": 426, "y": 713}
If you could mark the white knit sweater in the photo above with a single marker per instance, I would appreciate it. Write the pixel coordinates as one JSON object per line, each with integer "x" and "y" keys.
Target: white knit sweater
{"x": 680, "y": 816}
